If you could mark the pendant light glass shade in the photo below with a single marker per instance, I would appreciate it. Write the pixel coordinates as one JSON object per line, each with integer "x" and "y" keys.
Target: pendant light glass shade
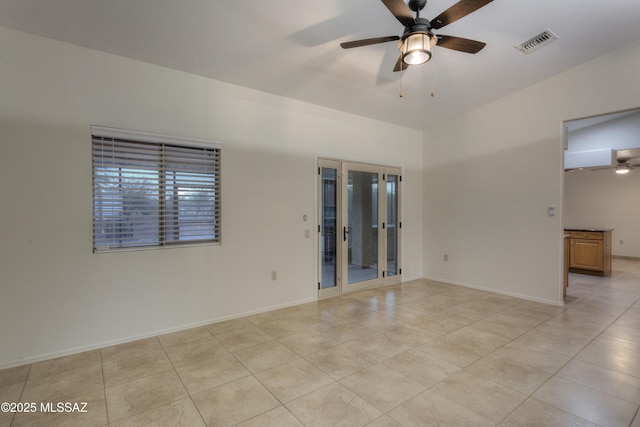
{"x": 622, "y": 168}
{"x": 416, "y": 49}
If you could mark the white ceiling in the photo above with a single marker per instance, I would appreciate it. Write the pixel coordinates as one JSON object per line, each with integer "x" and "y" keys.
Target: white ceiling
{"x": 291, "y": 47}
{"x": 573, "y": 125}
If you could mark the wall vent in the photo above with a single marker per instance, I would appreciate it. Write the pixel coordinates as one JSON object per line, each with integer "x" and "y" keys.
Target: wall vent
{"x": 536, "y": 42}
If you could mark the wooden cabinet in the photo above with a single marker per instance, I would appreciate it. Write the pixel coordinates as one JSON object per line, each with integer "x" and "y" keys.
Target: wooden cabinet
{"x": 590, "y": 251}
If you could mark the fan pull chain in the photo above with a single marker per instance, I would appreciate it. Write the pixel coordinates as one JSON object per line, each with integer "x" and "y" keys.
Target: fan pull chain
{"x": 401, "y": 79}
{"x": 433, "y": 84}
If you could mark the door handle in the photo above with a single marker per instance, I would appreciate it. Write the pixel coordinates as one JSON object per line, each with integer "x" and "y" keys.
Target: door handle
{"x": 345, "y": 232}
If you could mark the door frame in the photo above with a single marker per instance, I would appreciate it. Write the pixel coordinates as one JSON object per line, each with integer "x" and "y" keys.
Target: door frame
{"x": 383, "y": 170}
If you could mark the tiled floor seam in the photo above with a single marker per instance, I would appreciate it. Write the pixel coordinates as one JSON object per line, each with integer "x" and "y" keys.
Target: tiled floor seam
{"x": 181, "y": 382}
{"x": 636, "y": 417}
{"x": 104, "y": 389}
{"x": 560, "y": 409}
{"x": 283, "y": 404}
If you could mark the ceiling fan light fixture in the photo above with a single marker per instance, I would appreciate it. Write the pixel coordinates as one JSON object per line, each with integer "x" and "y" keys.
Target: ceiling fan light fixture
{"x": 622, "y": 168}
{"x": 416, "y": 48}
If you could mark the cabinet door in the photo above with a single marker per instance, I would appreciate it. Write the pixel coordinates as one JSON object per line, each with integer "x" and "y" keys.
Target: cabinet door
{"x": 586, "y": 254}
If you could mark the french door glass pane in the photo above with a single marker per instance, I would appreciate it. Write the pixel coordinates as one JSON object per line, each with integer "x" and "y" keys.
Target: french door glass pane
{"x": 328, "y": 231}
{"x": 362, "y": 229}
{"x": 392, "y": 225}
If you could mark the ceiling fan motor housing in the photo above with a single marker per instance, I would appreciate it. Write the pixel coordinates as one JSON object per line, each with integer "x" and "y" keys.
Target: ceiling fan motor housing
{"x": 422, "y": 25}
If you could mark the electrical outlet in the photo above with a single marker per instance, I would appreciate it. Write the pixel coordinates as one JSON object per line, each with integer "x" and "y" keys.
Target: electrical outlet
{"x": 274, "y": 275}
{"x": 446, "y": 257}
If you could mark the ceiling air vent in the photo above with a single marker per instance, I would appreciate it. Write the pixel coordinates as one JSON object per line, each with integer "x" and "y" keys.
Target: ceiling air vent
{"x": 536, "y": 42}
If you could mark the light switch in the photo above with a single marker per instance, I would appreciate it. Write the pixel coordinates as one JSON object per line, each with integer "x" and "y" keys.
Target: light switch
{"x": 307, "y": 233}
{"x": 551, "y": 210}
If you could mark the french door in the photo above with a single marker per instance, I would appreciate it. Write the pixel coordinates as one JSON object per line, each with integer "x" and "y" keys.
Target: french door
{"x": 359, "y": 238}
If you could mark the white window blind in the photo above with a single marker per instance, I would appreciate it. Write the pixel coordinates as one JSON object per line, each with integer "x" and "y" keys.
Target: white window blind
{"x": 153, "y": 190}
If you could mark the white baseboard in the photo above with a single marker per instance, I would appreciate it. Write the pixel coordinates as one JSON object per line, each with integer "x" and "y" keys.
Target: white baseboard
{"x": 495, "y": 291}
{"x": 103, "y": 344}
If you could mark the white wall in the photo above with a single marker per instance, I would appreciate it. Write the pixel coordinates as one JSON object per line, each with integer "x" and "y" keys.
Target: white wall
{"x": 490, "y": 175}
{"x": 620, "y": 134}
{"x": 56, "y": 297}
{"x": 602, "y": 198}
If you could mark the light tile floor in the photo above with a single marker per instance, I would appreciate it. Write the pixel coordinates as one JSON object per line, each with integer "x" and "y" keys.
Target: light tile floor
{"x": 416, "y": 354}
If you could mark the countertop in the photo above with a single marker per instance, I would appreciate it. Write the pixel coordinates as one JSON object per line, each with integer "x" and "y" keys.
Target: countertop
{"x": 587, "y": 229}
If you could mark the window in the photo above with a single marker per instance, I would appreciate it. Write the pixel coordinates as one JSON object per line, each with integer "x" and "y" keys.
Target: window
{"x": 153, "y": 191}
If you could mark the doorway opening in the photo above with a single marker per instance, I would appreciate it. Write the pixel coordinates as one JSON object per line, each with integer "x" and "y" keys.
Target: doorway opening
{"x": 596, "y": 198}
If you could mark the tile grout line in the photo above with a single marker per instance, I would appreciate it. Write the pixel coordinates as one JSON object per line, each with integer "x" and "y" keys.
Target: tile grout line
{"x": 24, "y": 385}
{"x": 175, "y": 371}
{"x": 104, "y": 389}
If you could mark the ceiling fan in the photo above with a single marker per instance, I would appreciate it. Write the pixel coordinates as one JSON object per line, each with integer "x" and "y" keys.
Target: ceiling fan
{"x": 626, "y": 161}
{"x": 416, "y": 42}
{"x": 625, "y": 165}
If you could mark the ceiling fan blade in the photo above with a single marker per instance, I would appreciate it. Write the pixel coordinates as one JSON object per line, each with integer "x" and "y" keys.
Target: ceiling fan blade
{"x": 367, "y": 42}
{"x": 457, "y": 11}
{"x": 400, "y": 65}
{"x": 401, "y": 11}
{"x": 460, "y": 44}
